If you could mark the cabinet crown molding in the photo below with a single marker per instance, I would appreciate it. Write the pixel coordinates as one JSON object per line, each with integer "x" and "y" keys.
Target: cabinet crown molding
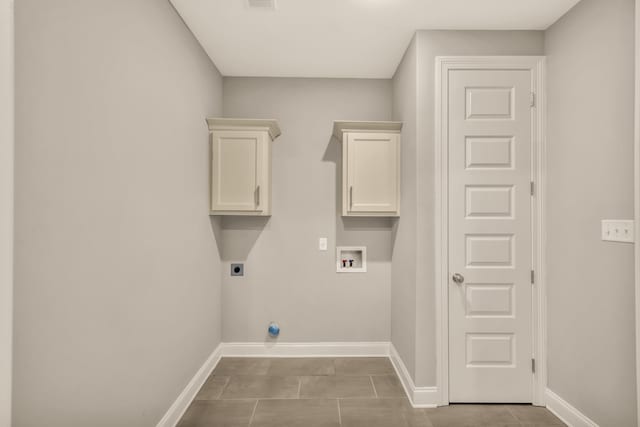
{"x": 269, "y": 125}
{"x": 341, "y": 126}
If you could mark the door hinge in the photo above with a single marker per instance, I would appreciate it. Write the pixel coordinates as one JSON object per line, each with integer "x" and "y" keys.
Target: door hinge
{"x": 533, "y": 188}
{"x": 533, "y": 277}
{"x": 533, "y": 365}
{"x": 533, "y": 99}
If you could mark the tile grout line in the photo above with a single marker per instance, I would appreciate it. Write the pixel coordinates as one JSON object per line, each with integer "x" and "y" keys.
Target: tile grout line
{"x": 253, "y": 414}
{"x": 513, "y": 415}
{"x": 339, "y": 412}
{"x": 232, "y": 399}
{"x": 374, "y": 386}
{"x": 299, "y": 386}
{"x": 226, "y": 383}
{"x": 520, "y": 422}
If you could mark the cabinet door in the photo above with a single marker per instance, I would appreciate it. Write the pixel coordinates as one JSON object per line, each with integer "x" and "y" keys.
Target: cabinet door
{"x": 236, "y": 170}
{"x": 372, "y": 173}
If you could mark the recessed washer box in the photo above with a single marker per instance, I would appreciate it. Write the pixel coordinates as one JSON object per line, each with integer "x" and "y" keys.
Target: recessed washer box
{"x": 351, "y": 259}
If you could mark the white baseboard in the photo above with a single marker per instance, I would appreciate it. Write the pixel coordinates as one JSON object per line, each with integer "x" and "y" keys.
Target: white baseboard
{"x": 420, "y": 397}
{"x": 310, "y": 349}
{"x": 566, "y": 412}
{"x": 179, "y": 407}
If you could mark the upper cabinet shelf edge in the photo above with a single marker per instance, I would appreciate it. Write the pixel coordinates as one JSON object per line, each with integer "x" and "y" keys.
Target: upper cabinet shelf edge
{"x": 342, "y": 126}
{"x": 270, "y": 125}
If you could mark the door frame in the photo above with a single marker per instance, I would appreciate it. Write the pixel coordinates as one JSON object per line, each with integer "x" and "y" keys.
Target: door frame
{"x": 6, "y": 205}
{"x": 637, "y": 198}
{"x": 444, "y": 64}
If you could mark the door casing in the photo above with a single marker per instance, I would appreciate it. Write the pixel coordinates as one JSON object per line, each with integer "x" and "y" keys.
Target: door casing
{"x": 637, "y": 200}
{"x": 536, "y": 65}
{"x": 7, "y": 148}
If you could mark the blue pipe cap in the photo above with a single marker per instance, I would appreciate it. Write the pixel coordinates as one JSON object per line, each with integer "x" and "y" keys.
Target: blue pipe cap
{"x": 274, "y": 329}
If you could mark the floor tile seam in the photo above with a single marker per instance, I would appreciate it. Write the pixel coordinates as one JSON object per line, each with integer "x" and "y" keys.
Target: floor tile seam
{"x": 266, "y": 375}
{"x": 295, "y": 375}
{"x": 303, "y": 375}
{"x": 250, "y": 374}
{"x": 270, "y": 398}
{"x": 375, "y": 392}
{"x": 223, "y": 388}
{"x": 513, "y": 414}
{"x": 231, "y": 399}
{"x": 253, "y": 413}
{"x": 390, "y": 374}
{"x": 339, "y": 412}
{"x": 236, "y": 399}
{"x": 336, "y": 376}
{"x": 346, "y": 397}
{"x": 308, "y": 398}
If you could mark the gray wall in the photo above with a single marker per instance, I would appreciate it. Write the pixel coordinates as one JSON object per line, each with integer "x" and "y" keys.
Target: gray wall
{"x": 117, "y": 270}
{"x": 590, "y": 173}
{"x": 404, "y": 261}
{"x": 418, "y": 183}
{"x": 286, "y": 278}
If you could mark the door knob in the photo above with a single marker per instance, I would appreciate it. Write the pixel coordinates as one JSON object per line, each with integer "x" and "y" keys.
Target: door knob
{"x": 458, "y": 278}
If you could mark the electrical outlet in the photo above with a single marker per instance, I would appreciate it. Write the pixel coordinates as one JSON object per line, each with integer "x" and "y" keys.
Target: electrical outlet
{"x": 617, "y": 230}
{"x": 322, "y": 244}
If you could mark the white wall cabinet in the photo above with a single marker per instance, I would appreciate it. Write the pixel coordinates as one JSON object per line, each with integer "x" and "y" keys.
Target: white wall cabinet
{"x": 370, "y": 167}
{"x": 241, "y": 165}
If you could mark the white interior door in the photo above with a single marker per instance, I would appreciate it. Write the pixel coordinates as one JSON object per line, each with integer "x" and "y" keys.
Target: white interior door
{"x": 237, "y": 174}
{"x": 490, "y": 235}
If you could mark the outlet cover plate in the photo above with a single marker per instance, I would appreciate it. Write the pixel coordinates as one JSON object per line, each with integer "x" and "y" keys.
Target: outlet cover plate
{"x": 322, "y": 244}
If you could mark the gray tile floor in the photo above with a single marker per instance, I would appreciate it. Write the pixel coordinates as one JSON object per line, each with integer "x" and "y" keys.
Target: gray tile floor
{"x": 327, "y": 392}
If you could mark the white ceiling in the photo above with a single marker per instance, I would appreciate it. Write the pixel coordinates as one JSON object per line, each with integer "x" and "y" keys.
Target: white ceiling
{"x": 342, "y": 38}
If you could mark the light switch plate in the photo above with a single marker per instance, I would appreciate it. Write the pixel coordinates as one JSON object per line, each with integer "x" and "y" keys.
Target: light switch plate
{"x": 322, "y": 244}
{"x": 617, "y": 230}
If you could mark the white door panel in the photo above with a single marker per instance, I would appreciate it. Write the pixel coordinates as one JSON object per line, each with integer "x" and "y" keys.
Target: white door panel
{"x": 490, "y": 319}
{"x": 372, "y": 172}
{"x": 237, "y": 173}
